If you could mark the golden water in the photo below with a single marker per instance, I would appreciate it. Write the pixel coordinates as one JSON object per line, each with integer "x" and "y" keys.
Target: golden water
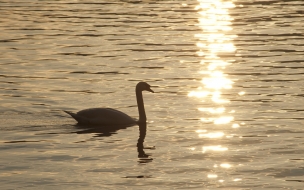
{"x": 228, "y": 107}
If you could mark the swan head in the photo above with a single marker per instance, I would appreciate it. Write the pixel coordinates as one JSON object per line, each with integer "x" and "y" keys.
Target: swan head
{"x": 143, "y": 86}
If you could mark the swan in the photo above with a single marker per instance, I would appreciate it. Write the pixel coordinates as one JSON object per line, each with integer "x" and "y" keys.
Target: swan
{"x": 109, "y": 116}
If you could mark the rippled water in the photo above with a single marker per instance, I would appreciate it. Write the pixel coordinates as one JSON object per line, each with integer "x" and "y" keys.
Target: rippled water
{"x": 228, "y": 107}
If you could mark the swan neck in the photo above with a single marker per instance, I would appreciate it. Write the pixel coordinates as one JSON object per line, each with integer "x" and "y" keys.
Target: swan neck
{"x": 141, "y": 107}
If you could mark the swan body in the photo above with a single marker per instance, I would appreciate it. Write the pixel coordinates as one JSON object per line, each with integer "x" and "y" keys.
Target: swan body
{"x": 109, "y": 116}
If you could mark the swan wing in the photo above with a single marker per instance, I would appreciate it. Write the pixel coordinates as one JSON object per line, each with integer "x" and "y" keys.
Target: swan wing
{"x": 78, "y": 118}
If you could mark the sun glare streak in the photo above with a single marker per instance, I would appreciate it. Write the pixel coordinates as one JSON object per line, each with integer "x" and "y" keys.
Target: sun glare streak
{"x": 220, "y": 120}
{"x": 212, "y": 176}
{"x": 212, "y": 135}
{"x": 223, "y": 120}
{"x": 216, "y": 98}
{"x": 215, "y": 21}
{"x": 198, "y": 94}
{"x": 201, "y": 131}
{"x": 217, "y": 82}
{"x": 212, "y": 110}
{"x": 215, "y": 48}
{"x": 214, "y": 148}
{"x": 235, "y": 125}
{"x": 225, "y": 165}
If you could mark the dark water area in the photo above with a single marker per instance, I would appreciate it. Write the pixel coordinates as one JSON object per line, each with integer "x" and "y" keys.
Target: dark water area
{"x": 227, "y": 112}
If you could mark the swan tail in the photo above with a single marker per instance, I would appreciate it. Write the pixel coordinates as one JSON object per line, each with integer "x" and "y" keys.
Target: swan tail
{"x": 79, "y": 119}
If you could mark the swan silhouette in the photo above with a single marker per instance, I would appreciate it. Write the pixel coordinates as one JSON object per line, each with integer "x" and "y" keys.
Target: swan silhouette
{"x": 109, "y": 116}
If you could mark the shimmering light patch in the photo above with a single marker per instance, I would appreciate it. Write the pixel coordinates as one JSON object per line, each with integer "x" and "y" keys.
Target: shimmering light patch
{"x": 207, "y": 120}
{"x": 204, "y": 73}
{"x": 219, "y": 101}
{"x": 216, "y": 97}
{"x": 208, "y": 23}
{"x": 198, "y": 94}
{"x": 201, "y": 131}
{"x": 212, "y": 176}
{"x": 212, "y": 110}
{"x": 215, "y": 16}
{"x": 221, "y": 47}
{"x": 214, "y": 148}
{"x": 225, "y": 165}
{"x": 217, "y": 64}
{"x": 235, "y": 125}
{"x": 217, "y": 81}
{"x": 237, "y": 179}
{"x": 217, "y": 3}
{"x": 199, "y": 44}
{"x": 242, "y": 93}
{"x": 192, "y": 148}
{"x": 212, "y": 55}
{"x": 212, "y": 135}
{"x": 223, "y": 120}
{"x": 221, "y": 181}
{"x": 200, "y": 53}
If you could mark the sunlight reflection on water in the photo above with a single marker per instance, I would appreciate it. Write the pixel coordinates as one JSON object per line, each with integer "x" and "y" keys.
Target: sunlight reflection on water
{"x": 214, "y": 42}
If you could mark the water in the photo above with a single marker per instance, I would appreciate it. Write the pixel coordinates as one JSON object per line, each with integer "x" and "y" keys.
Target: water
{"x": 227, "y": 112}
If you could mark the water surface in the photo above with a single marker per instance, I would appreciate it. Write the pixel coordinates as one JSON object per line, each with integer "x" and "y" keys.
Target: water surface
{"x": 227, "y": 112}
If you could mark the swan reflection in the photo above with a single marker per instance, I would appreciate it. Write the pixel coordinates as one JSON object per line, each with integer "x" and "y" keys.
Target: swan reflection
{"x": 143, "y": 157}
{"x": 104, "y": 131}
{"x": 108, "y": 131}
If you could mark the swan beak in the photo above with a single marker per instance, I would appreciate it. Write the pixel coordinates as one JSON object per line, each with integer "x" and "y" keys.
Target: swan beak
{"x": 150, "y": 90}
